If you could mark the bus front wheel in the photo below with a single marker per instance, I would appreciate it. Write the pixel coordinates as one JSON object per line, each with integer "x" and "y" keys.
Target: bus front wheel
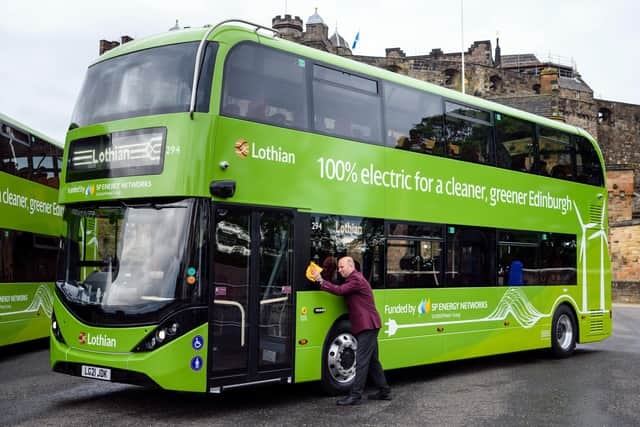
{"x": 339, "y": 359}
{"x": 563, "y": 332}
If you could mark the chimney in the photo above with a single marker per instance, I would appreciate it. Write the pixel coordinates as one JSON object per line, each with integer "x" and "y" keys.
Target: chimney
{"x": 548, "y": 80}
{"x": 106, "y": 45}
{"x": 394, "y": 52}
{"x": 498, "y": 60}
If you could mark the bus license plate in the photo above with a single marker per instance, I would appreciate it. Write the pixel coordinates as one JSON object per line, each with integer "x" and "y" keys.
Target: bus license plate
{"x": 97, "y": 373}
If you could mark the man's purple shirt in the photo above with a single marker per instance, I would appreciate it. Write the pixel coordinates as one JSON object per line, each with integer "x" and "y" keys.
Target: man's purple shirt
{"x": 359, "y": 298}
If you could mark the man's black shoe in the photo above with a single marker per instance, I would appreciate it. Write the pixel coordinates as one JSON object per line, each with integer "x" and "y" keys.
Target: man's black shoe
{"x": 349, "y": 400}
{"x": 380, "y": 395}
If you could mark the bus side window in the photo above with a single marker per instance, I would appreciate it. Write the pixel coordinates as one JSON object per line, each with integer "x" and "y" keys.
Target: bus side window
{"x": 469, "y": 133}
{"x": 556, "y": 154}
{"x": 16, "y": 152}
{"x": 470, "y": 256}
{"x": 413, "y": 119}
{"x": 346, "y": 105}
{"x": 265, "y": 85}
{"x": 414, "y": 256}
{"x": 517, "y": 258}
{"x": 333, "y": 237}
{"x": 589, "y": 169}
{"x": 515, "y": 147}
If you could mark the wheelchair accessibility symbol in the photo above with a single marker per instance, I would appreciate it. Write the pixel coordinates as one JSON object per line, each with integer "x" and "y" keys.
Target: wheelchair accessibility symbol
{"x": 197, "y": 342}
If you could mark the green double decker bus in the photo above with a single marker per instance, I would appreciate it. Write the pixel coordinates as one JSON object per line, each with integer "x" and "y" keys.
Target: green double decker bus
{"x": 205, "y": 168}
{"x": 30, "y": 230}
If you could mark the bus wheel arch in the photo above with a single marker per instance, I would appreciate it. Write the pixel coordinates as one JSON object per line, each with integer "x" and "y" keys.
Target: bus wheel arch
{"x": 564, "y": 331}
{"x": 339, "y": 358}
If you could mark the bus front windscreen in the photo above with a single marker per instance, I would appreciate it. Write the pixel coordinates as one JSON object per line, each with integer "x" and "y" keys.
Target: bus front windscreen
{"x": 143, "y": 83}
{"x": 125, "y": 264}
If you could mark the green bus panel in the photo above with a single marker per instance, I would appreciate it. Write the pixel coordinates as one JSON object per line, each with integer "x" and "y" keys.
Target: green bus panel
{"x": 422, "y": 326}
{"x": 25, "y": 311}
{"x": 25, "y": 307}
{"x": 169, "y": 366}
{"x": 27, "y": 206}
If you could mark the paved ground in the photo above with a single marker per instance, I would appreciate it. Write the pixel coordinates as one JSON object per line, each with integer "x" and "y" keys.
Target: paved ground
{"x": 599, "y": 386}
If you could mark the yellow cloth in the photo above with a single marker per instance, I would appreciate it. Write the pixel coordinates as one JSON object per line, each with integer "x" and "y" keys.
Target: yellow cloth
{"x": 310, "y": 269}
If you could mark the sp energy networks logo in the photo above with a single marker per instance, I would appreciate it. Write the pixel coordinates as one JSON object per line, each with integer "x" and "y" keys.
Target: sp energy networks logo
{"x": 425, "y": 306}
{"x": 90, "y": 190}
{"x": 100, "y": 340}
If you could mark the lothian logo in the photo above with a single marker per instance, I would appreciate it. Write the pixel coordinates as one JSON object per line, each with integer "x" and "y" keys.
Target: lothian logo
{"x": 242, "y": 148}
{"x": 100, "y": 340}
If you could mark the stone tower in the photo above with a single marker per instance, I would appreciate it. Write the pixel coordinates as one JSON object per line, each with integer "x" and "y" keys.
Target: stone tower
{"x": 288, "y": 26}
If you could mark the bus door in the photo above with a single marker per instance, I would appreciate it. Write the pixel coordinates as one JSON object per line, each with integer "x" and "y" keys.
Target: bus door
{"x": 250, "y": 319}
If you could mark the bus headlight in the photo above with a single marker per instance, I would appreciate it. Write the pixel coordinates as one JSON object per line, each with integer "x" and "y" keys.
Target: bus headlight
{"x": 172, "y": 328}
{"x": 55, "y": 329}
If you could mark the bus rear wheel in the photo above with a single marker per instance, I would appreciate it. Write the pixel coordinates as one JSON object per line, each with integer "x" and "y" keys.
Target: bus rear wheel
{"x": 563, "y": 332}
{"x": 339, "y": 359}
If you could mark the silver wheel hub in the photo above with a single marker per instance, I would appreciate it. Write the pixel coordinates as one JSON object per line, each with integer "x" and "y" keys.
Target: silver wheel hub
{"x": 564, "y": 332}
{"x": 341, "y": 358}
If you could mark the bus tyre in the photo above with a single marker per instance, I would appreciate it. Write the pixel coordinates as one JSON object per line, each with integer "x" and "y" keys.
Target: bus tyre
{"x": 339, "y": 359}
{"x": 563, "y": 332}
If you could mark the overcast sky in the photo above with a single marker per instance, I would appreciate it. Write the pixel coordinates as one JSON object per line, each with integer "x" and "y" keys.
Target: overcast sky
{"x": 46, "y": 45}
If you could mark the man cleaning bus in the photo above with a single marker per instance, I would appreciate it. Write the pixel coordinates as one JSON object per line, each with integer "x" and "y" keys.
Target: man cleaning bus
{"x": 365, "y": 325}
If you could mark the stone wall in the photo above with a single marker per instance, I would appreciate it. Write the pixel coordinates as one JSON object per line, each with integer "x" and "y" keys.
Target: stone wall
{"x": 480, "y": 79}
{"x": 628, "y": 292}
{"x": 625, "y": 252}
{"x": 620, "y": 191}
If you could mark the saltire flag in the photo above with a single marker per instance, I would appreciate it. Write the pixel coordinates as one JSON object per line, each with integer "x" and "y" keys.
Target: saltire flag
{"x": 355, "y": 41}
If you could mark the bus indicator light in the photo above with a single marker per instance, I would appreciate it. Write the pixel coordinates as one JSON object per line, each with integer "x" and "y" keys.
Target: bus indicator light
{"x": 191, "y": 280}
{"x": 303, "y": 341}
{"x": 191, "y": 271}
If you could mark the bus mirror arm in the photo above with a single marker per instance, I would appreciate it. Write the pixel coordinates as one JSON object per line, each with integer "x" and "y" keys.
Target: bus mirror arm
{"x": 198, "y": 64}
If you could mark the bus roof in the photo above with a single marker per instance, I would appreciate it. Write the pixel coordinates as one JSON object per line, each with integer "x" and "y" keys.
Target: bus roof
{"x": 233, "y": 33}
{"x": 32, "y": 131}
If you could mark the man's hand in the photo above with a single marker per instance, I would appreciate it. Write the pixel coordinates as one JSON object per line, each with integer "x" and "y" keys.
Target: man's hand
{"x": 316, "y": 276}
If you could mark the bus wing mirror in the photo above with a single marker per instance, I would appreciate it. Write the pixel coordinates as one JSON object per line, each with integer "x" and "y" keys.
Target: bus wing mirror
{"x": 222, "y": 189}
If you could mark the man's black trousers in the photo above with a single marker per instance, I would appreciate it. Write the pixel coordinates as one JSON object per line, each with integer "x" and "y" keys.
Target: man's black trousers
{"x": 367, "y": 363}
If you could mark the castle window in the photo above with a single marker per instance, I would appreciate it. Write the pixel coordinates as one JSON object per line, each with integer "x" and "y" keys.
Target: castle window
{"x": 536, "y": 89}
{"x": 450, "y": 77}
{"x": 604, "y": 115}
{"x": 496, "y": 83}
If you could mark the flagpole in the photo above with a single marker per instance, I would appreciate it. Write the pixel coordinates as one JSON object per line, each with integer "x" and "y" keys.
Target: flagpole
{"x": 462, "y": 40}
